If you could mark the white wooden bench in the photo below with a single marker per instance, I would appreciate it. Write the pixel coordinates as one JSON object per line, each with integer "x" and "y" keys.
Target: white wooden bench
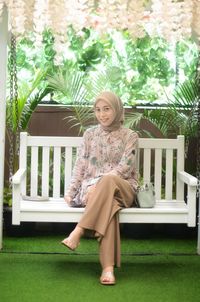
{"x": 45, "y": 167}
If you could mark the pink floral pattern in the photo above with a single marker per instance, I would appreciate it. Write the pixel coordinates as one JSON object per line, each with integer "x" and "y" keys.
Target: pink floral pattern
{"x": 101, "y": 153}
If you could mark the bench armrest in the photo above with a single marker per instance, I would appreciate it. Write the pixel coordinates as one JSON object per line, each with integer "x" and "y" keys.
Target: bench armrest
{"x": 191, "y": 183}
{"x": 18, "y": 176}
{"x": 187, "y": 178}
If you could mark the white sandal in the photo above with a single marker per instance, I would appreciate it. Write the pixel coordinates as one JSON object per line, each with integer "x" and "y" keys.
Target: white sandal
{"x": 107, "y": 278}
{"x": 70, "y": 244}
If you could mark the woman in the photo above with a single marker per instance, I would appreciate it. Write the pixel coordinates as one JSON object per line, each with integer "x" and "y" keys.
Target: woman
{"x": 104, "y": 181}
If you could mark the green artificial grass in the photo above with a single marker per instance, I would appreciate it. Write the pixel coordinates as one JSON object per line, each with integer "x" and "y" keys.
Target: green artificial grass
{"x": 65, "y": 277}
{"x": 51, "y": 244}
{"x": 158, "y": 265}
{"x": 37, "y": 267}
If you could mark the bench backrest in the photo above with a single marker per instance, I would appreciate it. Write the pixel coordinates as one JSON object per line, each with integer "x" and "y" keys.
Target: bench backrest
{"x": 49, "y": 163}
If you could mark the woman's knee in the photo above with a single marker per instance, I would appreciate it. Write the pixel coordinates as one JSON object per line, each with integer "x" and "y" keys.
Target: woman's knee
{"x": 109, "y": 178}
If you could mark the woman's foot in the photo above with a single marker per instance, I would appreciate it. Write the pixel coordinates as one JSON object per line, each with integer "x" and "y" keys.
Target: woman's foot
{"x": 73, "y": 240}
{"x": 107, "y": 276}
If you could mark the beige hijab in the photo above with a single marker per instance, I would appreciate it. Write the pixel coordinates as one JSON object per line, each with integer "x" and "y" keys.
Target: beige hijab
{"x": 116, "y": 104}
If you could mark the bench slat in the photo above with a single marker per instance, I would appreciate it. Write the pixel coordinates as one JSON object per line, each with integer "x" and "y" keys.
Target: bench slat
{"x": 169, "y": 174}
{"x": 68, "y": 166}
{"x": 158, "y": 172}
{"x": 45, "y": 171}
{"x": 147, "y": 165}
{"x": 34, "y": 171}
{"x": 180, "y": 167}
{"x": 154, "y": 143}
{"x": 56, "y": 171}
{"x": 57, "y": 141}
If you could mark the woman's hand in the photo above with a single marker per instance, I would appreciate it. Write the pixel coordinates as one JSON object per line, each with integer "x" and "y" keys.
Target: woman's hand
{"x": 87, "y": 195}
{"x": 68, "y": 199}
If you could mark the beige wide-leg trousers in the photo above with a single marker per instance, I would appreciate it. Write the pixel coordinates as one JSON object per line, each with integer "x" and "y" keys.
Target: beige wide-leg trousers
{"x": 101, "y": 216}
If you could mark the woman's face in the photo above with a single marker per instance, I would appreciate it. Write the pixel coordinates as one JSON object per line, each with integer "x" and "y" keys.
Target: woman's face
{"x": 104, "y": 113}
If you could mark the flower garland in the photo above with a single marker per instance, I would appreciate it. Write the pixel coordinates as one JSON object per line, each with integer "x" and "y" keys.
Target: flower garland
{"x": 196, "y": 19}
{"x": 170, "y": 19}
{"x": 120, "y": 15}
{"x": 17, "y": 17}
{"x": 1, "y": 8}
{"x": 39, "y": 18}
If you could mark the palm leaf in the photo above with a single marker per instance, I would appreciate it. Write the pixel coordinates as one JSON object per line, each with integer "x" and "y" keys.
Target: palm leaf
{"x": 162, "y": 119}
{"x": 80, "y": 90}
{"x": 132, "y": 119}
{"x": 30, "y": 106}
{"x": 17, "y": 116}
{"x": 184, "y": 105}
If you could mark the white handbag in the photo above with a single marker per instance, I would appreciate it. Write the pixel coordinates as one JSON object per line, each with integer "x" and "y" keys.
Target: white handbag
{"x": 146, "y": 196}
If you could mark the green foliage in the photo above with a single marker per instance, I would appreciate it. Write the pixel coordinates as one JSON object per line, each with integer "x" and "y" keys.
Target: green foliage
{"x": 31, "y": 58}
{"x": 140, "y": 69}
{"x": 29, "y": 96}
{"x": 132, "y": 120}
{"x": 147, "y": 57}
{"x": 161, "y": 118}
{"x": 180, "y": 116}
{"x": 76, "y": 89}
{"x": 187, "y": 59}
{"x": 184, "y": 106}
{"x": 7, "y": 196}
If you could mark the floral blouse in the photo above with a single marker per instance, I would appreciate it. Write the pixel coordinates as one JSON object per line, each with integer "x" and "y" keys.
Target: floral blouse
{"x": 103, "y": 152}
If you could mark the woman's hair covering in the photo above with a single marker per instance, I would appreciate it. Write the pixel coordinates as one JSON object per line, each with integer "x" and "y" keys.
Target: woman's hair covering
{"x": 116, "y": 104}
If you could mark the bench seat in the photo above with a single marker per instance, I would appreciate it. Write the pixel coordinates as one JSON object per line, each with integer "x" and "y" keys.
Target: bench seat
{"x": 55, "y": 210}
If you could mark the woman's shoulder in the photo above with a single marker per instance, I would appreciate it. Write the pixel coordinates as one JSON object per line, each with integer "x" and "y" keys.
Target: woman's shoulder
{"x": 91, "y": 131}
{"x": 129, "y": 132}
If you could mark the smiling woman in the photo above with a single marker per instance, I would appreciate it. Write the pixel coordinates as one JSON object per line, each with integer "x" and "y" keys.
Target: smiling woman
{"x": 109, "y": 111}
{"x": 104, "y": 113}
{"x": 104, "y": 181}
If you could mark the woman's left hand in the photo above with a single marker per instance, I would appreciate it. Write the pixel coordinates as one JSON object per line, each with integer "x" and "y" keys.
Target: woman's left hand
{"x": 90, "y": 191}
{"x": 68, "y": 199}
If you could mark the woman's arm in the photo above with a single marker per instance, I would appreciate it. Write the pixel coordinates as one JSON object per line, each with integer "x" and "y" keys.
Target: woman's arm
{"x": 78, "y": 170}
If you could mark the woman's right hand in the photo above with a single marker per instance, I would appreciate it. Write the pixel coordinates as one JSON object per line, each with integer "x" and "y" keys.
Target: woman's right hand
{"x": 68, "y": 199}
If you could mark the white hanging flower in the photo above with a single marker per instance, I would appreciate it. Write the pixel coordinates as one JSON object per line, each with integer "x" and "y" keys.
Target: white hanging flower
{"x": 172, "y": 20}
{"x": 57, "y": 21}
{"x": 135, "y": 18}
{"x": 40, "y": 15}
{"x": 29, "y": 11}
{"x": 196, "y": 18}
{"x": 78, "y": 13}
{"x": 17, "y": 16}
{"x": 1, "y": 7}
{"x": 119, "y": 15}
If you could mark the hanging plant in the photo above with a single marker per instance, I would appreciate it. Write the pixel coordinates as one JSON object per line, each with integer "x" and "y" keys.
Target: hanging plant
{"x": 169, "y": 19}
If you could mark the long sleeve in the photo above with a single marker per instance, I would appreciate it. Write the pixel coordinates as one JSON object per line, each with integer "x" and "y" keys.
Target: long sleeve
{"x": 79, "y": 168}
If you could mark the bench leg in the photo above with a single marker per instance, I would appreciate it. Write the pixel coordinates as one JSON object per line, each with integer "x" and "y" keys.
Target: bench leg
{"x": 198, "y": 230}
